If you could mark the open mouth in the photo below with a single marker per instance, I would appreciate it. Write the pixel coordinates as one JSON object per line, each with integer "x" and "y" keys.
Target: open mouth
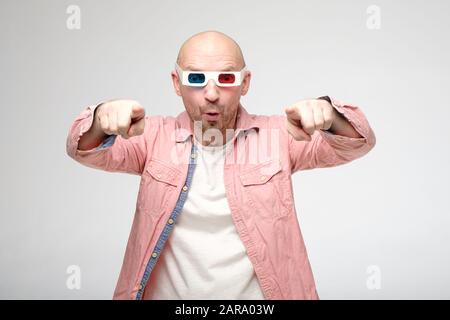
{"x": 211, "y": 116}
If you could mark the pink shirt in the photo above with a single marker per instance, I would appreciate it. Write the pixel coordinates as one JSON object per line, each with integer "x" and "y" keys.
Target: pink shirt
{"x": 257, "y": 176}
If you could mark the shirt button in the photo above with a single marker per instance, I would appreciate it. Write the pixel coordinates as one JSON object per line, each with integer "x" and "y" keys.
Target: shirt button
{"x": 263, "y": 178}
{"x": 141, "y": 287}
{"x": 170, "y": 221}
{"x": 185, "y": 188}
{"x": 193, "y": 155}
{"x": 154, "y": 254}
{"x": 158, "y": 176}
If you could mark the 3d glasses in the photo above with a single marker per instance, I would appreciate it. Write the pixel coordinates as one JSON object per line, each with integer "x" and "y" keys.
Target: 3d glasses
{"x": 201, "y": 78}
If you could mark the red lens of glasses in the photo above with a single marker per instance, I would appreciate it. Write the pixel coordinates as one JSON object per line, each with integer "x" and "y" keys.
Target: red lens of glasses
{"x": 226, "y": 78}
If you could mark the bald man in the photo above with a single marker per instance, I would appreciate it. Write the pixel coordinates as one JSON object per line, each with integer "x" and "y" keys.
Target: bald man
{"x": 215, "y": 215}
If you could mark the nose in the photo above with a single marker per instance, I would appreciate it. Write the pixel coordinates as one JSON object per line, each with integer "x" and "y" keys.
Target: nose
{"x": 211, "y": 91}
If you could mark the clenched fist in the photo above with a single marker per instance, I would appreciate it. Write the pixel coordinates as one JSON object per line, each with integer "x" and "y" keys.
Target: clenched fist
{"x": 306, "y": 116}
{"x": 121, "y": 117}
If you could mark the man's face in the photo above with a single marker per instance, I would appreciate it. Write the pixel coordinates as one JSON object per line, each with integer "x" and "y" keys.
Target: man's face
{"x": 216, "y": 107}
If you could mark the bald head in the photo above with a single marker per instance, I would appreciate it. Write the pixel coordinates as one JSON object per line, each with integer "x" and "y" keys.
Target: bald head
{"x": 210, "y": 50}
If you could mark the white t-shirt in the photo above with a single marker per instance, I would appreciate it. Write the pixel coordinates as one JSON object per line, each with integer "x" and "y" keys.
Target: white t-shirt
{"x": 204, "y": 257}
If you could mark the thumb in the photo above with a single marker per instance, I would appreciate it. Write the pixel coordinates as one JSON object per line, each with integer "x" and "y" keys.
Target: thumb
{"x": 294, "y": 126}
{"x": 292, "y": 113}
{"x": 137, "y": 112}
{"x": 137, "y": 128}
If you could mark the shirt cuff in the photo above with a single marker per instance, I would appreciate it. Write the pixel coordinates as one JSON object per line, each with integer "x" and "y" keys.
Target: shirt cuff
{"x": 108, "y": 142}
{"x": 347, "y": 114}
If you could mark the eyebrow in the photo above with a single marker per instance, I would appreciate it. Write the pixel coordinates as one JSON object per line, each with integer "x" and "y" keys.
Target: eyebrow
{"x": 192, "y": 68}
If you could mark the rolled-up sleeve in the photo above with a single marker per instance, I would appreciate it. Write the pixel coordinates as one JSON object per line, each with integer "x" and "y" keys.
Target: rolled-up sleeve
{"x": 115, "y": 154}
{"x": 326, "y": 149}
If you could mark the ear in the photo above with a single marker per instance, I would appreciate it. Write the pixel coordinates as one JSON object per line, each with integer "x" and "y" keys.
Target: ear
{"x": 176, "y": 82}
{"x": 246, "y": 83}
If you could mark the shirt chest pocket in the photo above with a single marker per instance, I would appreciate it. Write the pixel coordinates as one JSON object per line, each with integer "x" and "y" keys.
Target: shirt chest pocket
{"x": 158, "y": 184}
{"x": 266, "y": 189}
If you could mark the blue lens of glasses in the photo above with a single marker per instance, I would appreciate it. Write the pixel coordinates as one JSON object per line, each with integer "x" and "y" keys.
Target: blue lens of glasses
{"x": 196, "y": 78}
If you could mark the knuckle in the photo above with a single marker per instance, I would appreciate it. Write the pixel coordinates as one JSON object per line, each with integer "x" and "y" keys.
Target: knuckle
{"x": 122, "y": 127}
{"x": 309, "y": 128}
{"x": 113, "y": 130}
{"x": 106, "y": 108}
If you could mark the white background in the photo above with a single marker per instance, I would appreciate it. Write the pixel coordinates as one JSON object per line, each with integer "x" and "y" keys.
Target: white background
{"x": 389, "y": 209}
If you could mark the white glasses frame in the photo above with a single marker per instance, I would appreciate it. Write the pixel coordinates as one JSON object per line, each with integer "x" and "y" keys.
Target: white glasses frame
{"x": 184, "y": 74}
